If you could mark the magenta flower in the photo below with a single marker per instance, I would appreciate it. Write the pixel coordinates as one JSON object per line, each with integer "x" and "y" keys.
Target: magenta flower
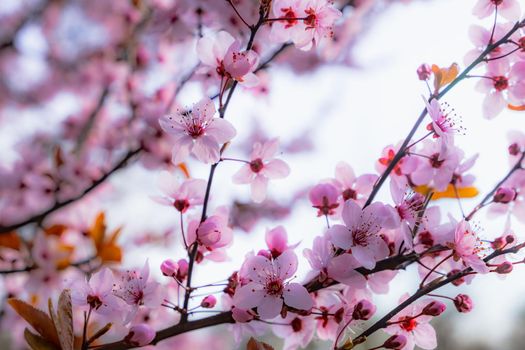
{"x": 268, "y": 287}
{"x": 223, "y": 54}
{"x": 198, "y": 132}
{"x": 325, "y": 198}
{"x": 261, "y": 168}
{"x": 181, "y": 196}
{"x": 361, "y": 232}
{"x": 445, "y": 123}
{"x": 277, "y": 241}
{"x": 97, "y": 293}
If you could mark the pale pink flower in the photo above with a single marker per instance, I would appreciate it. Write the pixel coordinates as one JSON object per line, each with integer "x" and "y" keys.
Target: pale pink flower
{"x": 325, "y": 198}
{"x": 299, "y": 332}
{"x": 97, "y": 293}
{"x": 361, "y": 232}
{"x": 467, "y": 247}
{"x": 181, "y": 196}
{"x": 352, "y": 186}
{"x": 414, "y": 326}
{"x": 320, "y": 17}
{"x": 445, "y": 123}
{"x": 509, "y": 9}
{"x": 437, "y": 165}
{"x": 135, "y": 289}
{"x": 481, "y": 38}
{"x": 268, "y": 287}
{"x": 503, "y": 85}
{"x": 404, "y": 167}
{"x": 223, "y": 54}
{"x": 198, "y": 132}
{"x": 261, "y": 168}
{"x": 140, "y": 335}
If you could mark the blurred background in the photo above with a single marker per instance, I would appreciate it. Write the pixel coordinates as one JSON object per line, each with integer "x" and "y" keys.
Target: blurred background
{"x": 335, "y": 112}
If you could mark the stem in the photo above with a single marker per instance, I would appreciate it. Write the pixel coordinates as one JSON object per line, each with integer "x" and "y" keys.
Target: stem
{"x": 434, "y": 268}
{"x": 84, "y": 330}
{"x": 238, "y": 14}
{"x": 182, "y": 231}
{"x": 341, "y": 333}
{"x": 498, "y": 185}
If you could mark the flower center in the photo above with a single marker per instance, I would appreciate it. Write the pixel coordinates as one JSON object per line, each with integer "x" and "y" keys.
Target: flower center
{"x": 349, "y": 194}
{"x": 435, "y": 162}
{"x": 290, "y": 15}
{"x": 310, "y": 20}
{"x": 500, "y": 83}
{"x": 256, "y": 165}
{"x": 496, "y": 2}
{"x": 94, "y": 301}
{"x": 408, "y": 323}
{"x": 360, "y": 237}
{"x": 297, "y": 324}
{"x": 274, "y": 287}
{"x": 181, "y": 205}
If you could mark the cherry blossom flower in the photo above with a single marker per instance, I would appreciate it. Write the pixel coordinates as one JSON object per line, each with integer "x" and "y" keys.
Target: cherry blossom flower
{"x": 223, "y": 54}
{"x": 411, "y": 323}
{"x": 509, "y": 9}
{"x": 503, "y": 84}
{"x": 481, "y": 37}
{"x": 405, "y": 166}
{"x": 299, "y": 332}
{"x": 352, "y": 186}
{"x": 181, "y": 196}
{"x": 261, "y": 168}
{"x": 324, "y": 197}
{"x": 97, "y": 293}
{"x": 361, "y": 232}
{"x": 268, "y": 287}
{"x": 445, "y": 123}
{"x": 277, "y": 241}
{"x": 466, "y": 247}
{"x": 198, "y": 132}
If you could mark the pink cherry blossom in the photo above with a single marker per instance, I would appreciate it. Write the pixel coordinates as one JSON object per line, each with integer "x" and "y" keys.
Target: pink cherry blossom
{"x": 261, "y": 168}
{"x": 181, "y": 196}
{"x": 352, "y": 186}
{"x": 223, "y": 54}
{"x": 277, "y": 241}
{"x": 298, "y": 334}
{"x": 404, "y": 167}
{"x": 324, "y": 197}
{"x": 503, "y": 84}
{"x": 509, "y": 9}
{"x": 268, "y": 287}
{"x": 445, "y": 123}
{"x": 97, "y": 293}
{"x": 197, "y": 131}
{"x": 467, "y": 247}
{"x": 361, "y": 232}
{"x": 414, "y": 326}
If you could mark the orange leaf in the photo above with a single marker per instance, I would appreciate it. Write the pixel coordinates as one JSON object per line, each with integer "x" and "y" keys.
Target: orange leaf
{"x": 40, "y": 321}
{"x": 56, "y": 230}
{"x": 450, "y": 192}
{"x": 98, "y": 229}
{"x": 516, "y": 108}
{"x": 10, "y": 240}
{"x": 110, "y": 253}
{"x": 444, "y": 76}
{"x": 184, "y": 168}
{"x": 254, "y": 344}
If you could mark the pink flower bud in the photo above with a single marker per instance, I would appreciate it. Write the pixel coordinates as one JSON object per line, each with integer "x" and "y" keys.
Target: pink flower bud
{"x": 498, "y": 243}
{"x": 209, "y": 302}
{"x": 169, "y": 268}
{"x": 140, "y": 334}
{"x": 434, "y": 308}
{"x": 463, "y": 303}
{"x": 504, "y": 268}
{"x": 510, "y": 238}
{"x": 424, "y": 71}
{"x": 504, "y": 195}
{"x": 396, "y": 342}
{"x": 514, "y": 149}
{"x": 183, "y": 269}
{"x": 456, "y": 282}
{"x": 363, "y": 310}
{"x": 324, "y": 198}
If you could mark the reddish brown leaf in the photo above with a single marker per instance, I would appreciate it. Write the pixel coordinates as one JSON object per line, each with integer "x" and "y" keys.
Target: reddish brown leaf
{"x": 41, "y": 322}
{"x": 254, "y": 344}
{"x": 36, "y": 342}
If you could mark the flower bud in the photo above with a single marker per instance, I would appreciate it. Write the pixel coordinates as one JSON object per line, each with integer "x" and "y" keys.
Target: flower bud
{"x": 463, "y": 303}
{"x": 514, "y": 149}
{"x": 510, "y": 238}
{"x": 140, "y": 335}
{"x": 456, "y": 282}
{"x": 396, "y": 342}
{"x": 498, "y": 243}
{"x": 424, "y": 71}
{"x": 182, "y": 272}
{"x": 209, "y": 302}
{"x": 504, "y": 195}
{"x": 504, "y": 268}
{"x": 434, "y": 308}
{"x": 169, "y": 268}
{"x": 363, "y": 310}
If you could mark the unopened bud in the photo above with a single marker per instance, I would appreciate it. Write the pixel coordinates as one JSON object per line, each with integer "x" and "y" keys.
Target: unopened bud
{"x": 504, "y": 268}
{"x": 463, "y": 303}
{"x": 424, "y": 71}
{"x": 434, "y": 308}
{"x": 504, "y": 195}
{"x": 396, "y": 342}
{"x": 363, "y": 310}
{"x": 510, "y": 238}
{"x": 514, "y": 149}
{"x": 169, "y": 268}
{"x": 140, "y": 335}
{"x": 458, "y": 281}
{"x": 498, "y": 243}
{"x": 209, "y": 302}
{"x": 182, "y": 273}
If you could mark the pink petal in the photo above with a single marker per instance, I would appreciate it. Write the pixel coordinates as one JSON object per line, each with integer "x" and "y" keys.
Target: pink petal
{"x": 248, "y": 296}
{"x": 296, "y": 296}
{"x": 259, "y": 186}
{"x": 340, "y": 236}
{"x": 270, "y": 307}
{"x": 181, "y": 149}
{"x": 222, "y": 130}
{"x": 286, "y": 264}
{"x": 206, "y": 149}
{"x": 205, "y": 51}
{"x": 351, "y": 213}
{"x": 276, "y": 169}
{"x": 425, "y": 336}
{"x": 244, "y": 175}
{"x": 365, "y": 257}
